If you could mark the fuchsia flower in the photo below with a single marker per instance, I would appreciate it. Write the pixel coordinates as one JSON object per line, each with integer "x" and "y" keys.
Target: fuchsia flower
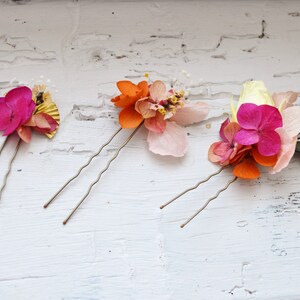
{"x": 258, "y": 126}
{"x": 16, "y": 108}
{"x": 19, "y": 113}
{"x": 269, "y": 126}
{"x": 165, "y": 112}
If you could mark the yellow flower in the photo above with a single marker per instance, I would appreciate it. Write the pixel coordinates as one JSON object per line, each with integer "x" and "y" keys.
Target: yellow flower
{"x": 253, "y": 92}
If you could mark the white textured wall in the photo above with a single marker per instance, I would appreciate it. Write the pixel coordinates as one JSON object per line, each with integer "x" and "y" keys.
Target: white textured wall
{"x": 246, "y": 245}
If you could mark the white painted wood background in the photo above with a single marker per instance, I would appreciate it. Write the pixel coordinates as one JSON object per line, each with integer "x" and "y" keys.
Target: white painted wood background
{"x": 120, "y": 245}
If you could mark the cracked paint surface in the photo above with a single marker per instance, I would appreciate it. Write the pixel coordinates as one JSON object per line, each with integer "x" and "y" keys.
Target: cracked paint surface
{"x": 120, "y": 245}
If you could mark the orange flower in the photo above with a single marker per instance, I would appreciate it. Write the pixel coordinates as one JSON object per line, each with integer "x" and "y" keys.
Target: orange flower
{"x": 247, "y": 166}
{"x": 130, "y": 94}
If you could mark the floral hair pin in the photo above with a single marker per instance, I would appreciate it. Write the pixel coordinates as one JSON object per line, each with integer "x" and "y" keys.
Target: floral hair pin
{"x": 163, "y": 112}
{"x": 22, "y": 110}
{"x": 262, "y": 132}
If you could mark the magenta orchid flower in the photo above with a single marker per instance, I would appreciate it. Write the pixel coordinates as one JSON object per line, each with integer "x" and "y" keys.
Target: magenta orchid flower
{"x": 258, "y": 126}
{"x": 16, "y": 108}
{"x": 165, "y": 112}
{"x": 20, "y": 113}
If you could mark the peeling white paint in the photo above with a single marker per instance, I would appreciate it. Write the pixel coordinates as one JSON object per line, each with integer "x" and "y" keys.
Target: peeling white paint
{"x": 119, "y": 245}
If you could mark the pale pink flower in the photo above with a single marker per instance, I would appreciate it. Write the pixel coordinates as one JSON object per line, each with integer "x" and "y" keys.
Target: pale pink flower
{"x": 165, "y": 112}
{"x": 288, "y": 135}
{"x": 284, "y": 100}
{"x": 224, "y": 151}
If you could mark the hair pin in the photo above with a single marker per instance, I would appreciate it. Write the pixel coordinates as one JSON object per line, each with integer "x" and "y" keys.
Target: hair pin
{"x": 22, "y": 110}
{"x": 262, "y": 132}
{"x": 164, "y": 112}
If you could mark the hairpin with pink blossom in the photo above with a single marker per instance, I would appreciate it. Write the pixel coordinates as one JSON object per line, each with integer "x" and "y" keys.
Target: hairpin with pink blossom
{"x": 164, "y": 112}
{"x": 22, "y": 110}
{"x": 262, "y": 132}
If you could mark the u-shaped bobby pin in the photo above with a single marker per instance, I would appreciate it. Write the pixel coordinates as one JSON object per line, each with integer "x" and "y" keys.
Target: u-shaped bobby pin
{"x": 163, "y": 112}
{"x": 99, "y": 175}
{"x": 82, "y": 168}
{"x": 195, "y": 187}
{"x": 261, "y": 132}
{"x": 23, "y": 110}
{"x": 9, "y": 165}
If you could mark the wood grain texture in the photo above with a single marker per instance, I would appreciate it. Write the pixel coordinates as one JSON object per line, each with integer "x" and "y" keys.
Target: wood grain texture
{"x": 120, "y": 245}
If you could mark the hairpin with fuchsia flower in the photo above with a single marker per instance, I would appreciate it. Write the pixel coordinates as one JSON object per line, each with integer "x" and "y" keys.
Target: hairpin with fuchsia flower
{"x": 22, "y": 110}
{"x": 164, "y": 112}
{"x": 262, "y": 132}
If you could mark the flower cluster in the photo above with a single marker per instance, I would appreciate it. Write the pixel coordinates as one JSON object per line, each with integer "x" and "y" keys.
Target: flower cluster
{"x": 262, "y": 131}
{"x": 163, "y": 111}
{"x": 23, "y": 109}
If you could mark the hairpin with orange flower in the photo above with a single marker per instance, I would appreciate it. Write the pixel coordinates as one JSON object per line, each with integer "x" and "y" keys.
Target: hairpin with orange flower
{"x": 22, "y": 110}
{"x": 163, "y": 111}
{"x": 262, "y": 132}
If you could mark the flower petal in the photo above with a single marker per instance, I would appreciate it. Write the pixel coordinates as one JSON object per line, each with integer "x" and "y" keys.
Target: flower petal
{"x": 128, "y": 88}
{"x": 226, "y": 157}
{"x": 123, "y": 101}
{"x": 5, "y": 115}
{"x": 51, "y": 121}
{"x": 130, "y": 93}
{"x": 24, "y": 133}
{"x": 144, "y": 108}
{"x": 239, "y": 154}
{"x": 247, "y": 169}
{"x": 158, "y": 91}
{"x": 24, "y": 110}
{"x": 255, "y": 92}
{"x": 17, "y": 95}
{"x": 230, "y": 131}
{"x": 246, "y": 137}
{"x": 41, "y": 121}
{"x": 221, "y": 131}
{"x": 284, "y": 100}
{"x": 12, "y": 125}
{"x": 291, "y": 120}
{"x": 271, "y": 117}
{"x": 120, "y": 101}
{"x": 221, "y": 148}
{"x": 211, "y": 153}
{"x": 143, "y": 86}
{"x": 173, "y": 141}
{"x": 269, "y": 143}
{"x": 130, "y": 118}
{"x": 249, "y": 116}
{"x": 233, "y": 111}
{"x": 267, "y": 161}
{"x": 20, "y": 100}
{"x": 156, "y": 124}
{"x": 191, "y": 113}
{"x": 287, "y": 150}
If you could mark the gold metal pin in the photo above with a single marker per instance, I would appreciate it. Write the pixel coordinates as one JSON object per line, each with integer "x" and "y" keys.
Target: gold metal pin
{"x": 208, "y": 201}
{"x": 9, "y": 167}
{"x": 100, "y": 174}
{"x": 83, "y": 167}
{"x": 3, "y": 145}
{"x": 192, "y": 188}
{"x": 195, "y": 187}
